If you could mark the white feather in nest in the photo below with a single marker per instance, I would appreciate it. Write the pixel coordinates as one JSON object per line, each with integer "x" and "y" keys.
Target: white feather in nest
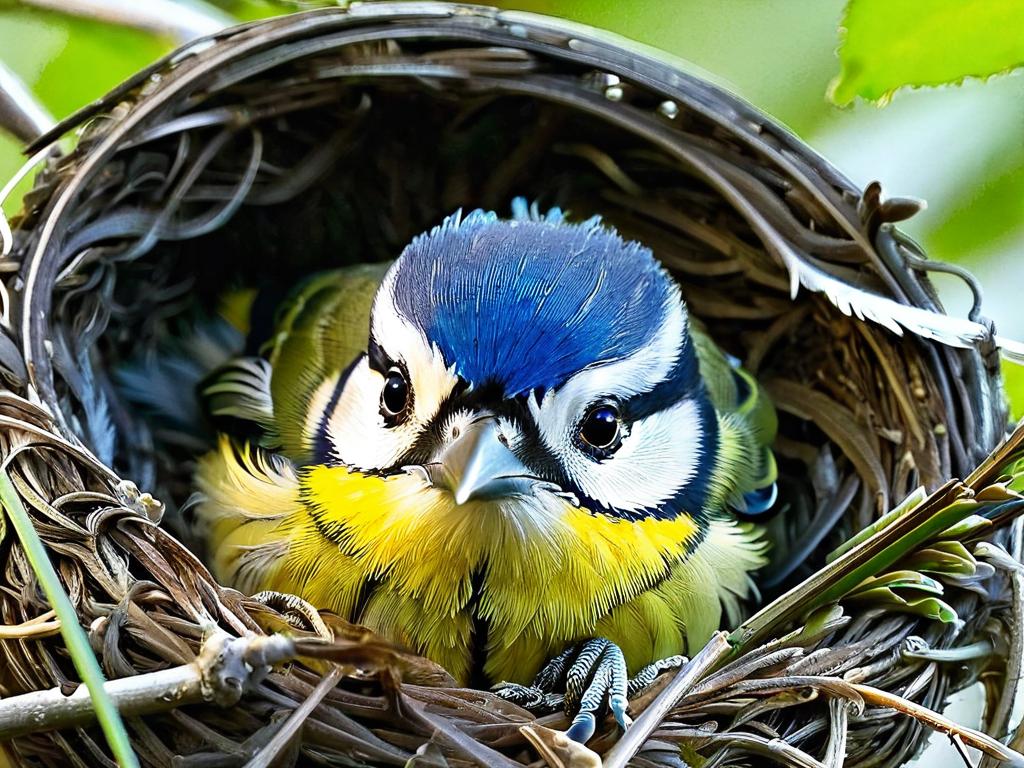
{"x": 897, "y": 317}
{"x": 242, "y": 390}
{"x": 6, "y": 236}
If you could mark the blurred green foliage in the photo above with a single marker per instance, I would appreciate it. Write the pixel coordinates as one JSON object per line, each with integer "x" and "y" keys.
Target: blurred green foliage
{"x": 67, "y": 62}
{"x": 888, "y": 45}
{"x": 961, "y": 148}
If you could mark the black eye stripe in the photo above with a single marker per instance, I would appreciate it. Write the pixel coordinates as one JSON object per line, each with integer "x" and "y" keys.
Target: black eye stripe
{"x": 377, "y": 358}
{"x": 682, "y": 381}
{"x": 323, "y": 450}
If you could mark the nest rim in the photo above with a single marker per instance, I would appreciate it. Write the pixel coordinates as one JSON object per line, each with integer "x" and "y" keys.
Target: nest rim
{"x": 865, "y": 222}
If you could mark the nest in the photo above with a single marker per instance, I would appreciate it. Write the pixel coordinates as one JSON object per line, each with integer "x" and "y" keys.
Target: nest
{"x": 332, "y": 137}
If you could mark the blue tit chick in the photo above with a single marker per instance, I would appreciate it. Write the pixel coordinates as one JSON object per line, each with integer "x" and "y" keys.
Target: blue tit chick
{"x": 521, "y": 447}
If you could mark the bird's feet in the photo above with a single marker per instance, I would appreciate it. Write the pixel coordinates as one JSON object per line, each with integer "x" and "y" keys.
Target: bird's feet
{"x": 591, "y": 674}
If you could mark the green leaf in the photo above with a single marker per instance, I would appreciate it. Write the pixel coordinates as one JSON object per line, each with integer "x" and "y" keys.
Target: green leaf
{"x": 898, "y": 580}
{"x": 930, "y": 608}
{"x": 944, "y": 557}
{"x": 887, "y": 45}
{"x": 1013, "y": 376}
{"x": 904, "y": 592}
{"x": 946, "y": 507}
{"x": 971, "y": 526}
{"x": 911, "y": 502}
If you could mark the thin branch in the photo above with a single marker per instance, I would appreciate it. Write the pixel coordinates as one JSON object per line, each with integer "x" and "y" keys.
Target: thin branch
{"x": 445, "y": 731}
{"x": 266, "y": 756}
{"x": 182, "y": 21}
{"x": 6, "y": 236}
{"x": 839, "y": 715}
{"x": 776, "y": 750}
{"x": 43, "y": 625}
{"x": 879, "y": 698}
{"x": 21, "y": 113}
{"x": 225, "y": 668}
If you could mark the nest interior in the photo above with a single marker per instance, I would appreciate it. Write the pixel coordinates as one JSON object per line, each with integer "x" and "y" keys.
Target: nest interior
{"x": 333, "y": 137}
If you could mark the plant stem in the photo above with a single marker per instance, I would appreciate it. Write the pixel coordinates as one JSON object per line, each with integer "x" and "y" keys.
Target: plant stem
{"x": 879, "y": 698}
{"x": 74, "y": 636}
{"x": 266, "y": 756}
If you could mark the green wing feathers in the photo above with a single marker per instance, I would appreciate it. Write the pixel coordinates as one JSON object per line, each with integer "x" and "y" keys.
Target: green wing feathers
{"x": 745, "y": 470}
{"x": 322, "y": 328}
{"x": 319, "y": 330}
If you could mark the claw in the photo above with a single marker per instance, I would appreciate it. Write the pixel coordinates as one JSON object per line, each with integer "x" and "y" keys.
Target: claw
{"x": 582, "y": 728}
{"x": 648, "y": 674}
{"x": 523, "y": 695}
{"x": 618, "y": 703}
{"x": 554, "y": 670}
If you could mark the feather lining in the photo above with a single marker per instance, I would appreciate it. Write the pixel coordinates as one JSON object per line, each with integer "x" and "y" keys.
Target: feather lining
{"x": 242, "y": 390}
{"x": 896, "y": 317}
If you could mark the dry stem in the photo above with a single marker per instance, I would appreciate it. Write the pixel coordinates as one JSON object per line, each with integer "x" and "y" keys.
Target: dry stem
{"x": 220, "y": 674}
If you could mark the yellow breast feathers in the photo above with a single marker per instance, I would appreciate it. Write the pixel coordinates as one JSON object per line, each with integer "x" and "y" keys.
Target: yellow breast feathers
{"x": 490, "y": 590}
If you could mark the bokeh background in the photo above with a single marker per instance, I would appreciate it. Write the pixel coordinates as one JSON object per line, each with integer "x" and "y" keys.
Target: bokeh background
{"x": 959, "y": 148}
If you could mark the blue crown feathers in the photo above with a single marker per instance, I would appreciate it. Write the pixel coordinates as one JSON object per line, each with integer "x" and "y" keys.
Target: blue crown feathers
{"x": 530, "y": 301}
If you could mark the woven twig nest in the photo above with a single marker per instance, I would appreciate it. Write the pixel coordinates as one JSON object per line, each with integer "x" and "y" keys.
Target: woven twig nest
{"x": 334, "y": 136}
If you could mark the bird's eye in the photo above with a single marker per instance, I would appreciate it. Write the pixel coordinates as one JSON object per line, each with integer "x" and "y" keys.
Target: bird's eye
{"x": 394, "y": 398}
{"x": 602, "y": 428}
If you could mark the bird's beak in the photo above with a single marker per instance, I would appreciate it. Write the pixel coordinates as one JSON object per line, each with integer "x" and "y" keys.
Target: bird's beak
{"x": 478, "y": 465}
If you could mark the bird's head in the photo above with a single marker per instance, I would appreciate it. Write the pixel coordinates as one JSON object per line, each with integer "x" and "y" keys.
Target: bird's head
{"x": 529, "y": 358}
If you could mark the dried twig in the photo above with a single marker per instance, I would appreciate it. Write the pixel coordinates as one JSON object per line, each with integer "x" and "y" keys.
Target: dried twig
{"x": 223, "y": 671}
{"x": 878, "y": 698}
{"x": 43, "y": 625}
{"x": 286, "y": 732}
{"x": 20, "y": 112}
{"x": 184, "y": 21}
{"x": 74, "y": 637}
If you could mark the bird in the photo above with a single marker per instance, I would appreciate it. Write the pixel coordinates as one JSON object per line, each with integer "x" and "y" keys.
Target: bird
{"x": 511, "y": 450}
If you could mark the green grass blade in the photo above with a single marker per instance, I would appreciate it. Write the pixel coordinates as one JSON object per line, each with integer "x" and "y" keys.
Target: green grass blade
{"x": 74, "y": 637}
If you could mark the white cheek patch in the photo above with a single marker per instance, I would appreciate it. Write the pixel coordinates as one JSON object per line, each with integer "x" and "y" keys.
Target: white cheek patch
{"x": 658, "y": 457}
{"x": 356, "y": 428}
{"x": 661, "y": 452}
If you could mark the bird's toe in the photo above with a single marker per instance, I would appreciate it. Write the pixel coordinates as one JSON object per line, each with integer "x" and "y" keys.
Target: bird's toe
{"x": 530, "y": 697}
{"x": 597, "y": 676}
{"x": 593, "y": 675}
